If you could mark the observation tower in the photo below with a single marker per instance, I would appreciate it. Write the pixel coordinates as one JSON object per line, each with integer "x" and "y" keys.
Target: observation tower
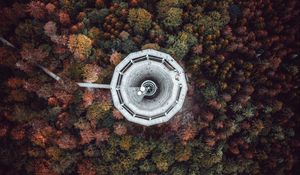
{"x": 148, "y": 87}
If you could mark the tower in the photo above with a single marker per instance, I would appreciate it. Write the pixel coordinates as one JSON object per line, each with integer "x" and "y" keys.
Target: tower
{"x": 148, "y": 87}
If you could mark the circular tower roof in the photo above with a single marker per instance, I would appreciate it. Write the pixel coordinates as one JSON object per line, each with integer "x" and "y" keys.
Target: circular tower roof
{"x": 148, "y": 87}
